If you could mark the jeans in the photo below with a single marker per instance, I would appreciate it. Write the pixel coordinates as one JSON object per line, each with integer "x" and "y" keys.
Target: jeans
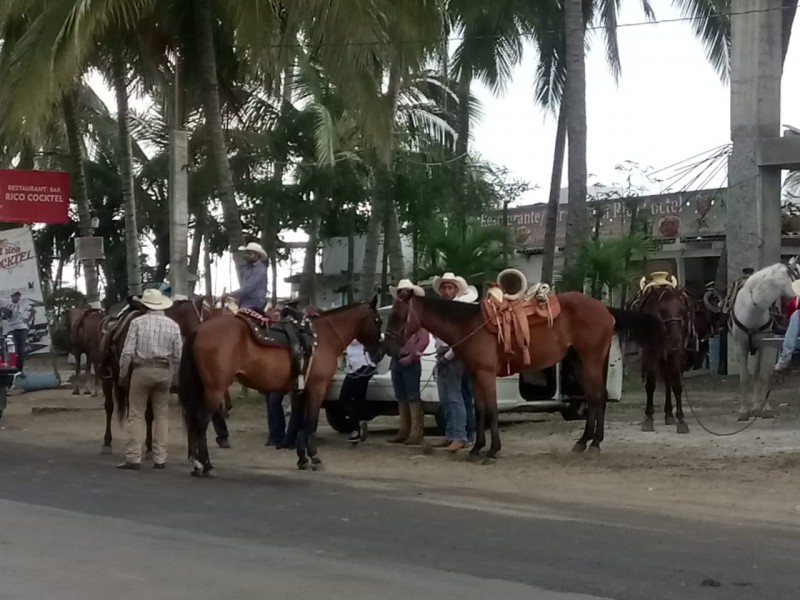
{"x": 790, "y": 341}
{"x": 405, "y": 381}
{"x": 276, "y": 418}
{"x": 354, "y": 394}
{"x": 449, "y": 381}
{"x": 469, "y": 404}
{"x": 20, "y": 346}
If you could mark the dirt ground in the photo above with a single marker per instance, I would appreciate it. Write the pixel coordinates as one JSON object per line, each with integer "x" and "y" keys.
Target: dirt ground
{"x": 750, "y": 477}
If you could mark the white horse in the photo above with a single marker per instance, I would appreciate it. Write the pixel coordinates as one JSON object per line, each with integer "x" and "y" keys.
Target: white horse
{"x": 751, "y": 322}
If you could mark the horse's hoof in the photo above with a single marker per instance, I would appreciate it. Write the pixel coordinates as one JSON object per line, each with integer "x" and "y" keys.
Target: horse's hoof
{"x": 488, "y": 462}
{"x": 648, "y": 426}
{"x": 593, "y": 451}
{"x": 474, "y": 457}
{"x": 579, "y": 447}
{"x": 317, "y": 466}
{"x": 223, "y": 443}
{"x": 682, "y": 427}
{"x": 105, "y": 450}
{"x": 302, "y": 466}
{"x": 669, "y": 420}
{"x": 767, "y": 414}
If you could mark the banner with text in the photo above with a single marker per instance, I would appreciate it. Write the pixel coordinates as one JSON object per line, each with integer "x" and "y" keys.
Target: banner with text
{"x": 34, "y": 196}
{"x": 19, "y": 271}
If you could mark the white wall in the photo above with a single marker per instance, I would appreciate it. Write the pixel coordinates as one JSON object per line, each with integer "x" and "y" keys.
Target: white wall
{"x": 334, "y": 255}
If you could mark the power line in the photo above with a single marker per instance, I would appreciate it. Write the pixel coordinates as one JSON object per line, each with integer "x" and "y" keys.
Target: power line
{"x": 524, "y": 34}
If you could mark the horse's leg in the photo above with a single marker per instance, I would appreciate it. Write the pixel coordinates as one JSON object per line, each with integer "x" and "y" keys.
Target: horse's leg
{"x": 669, "y": 378}
{"x": 201, "y": 442}
{"x": 76, "y": 385}
{"x": 649, "y": 410}
{"x": 108, "y": 404}
{"x": 596, "y": 395}
{"x": 87, "y": 373}
{"x": 481, "y": 411}
{"x": 492, "y": 413}
{"x": 148, "y": 444}
{"x": 764, "y": 368}
{"x": 677, "y": 387}
{"x": 744, "y": 376}
{"x": 300, "y": 409}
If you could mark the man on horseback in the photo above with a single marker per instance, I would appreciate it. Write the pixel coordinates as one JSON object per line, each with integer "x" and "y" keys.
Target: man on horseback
{"x": 153, "y": 350}
{"x": 253, "y": 278}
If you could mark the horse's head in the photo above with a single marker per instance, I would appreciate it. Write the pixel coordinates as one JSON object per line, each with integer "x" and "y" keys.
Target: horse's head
{"x": 403, "y": 323}
{"x": 675, "y": 308}
{"x": 369, "y": 331}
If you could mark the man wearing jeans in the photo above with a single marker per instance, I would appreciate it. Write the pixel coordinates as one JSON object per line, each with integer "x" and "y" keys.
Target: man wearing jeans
{"x": 451, "y": 378}
{"x": 18, "y": 311}
{"x": 792, "y": 333}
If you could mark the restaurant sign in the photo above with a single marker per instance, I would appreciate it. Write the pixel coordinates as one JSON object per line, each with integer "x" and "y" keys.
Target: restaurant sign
{"x": 666, "y": 216}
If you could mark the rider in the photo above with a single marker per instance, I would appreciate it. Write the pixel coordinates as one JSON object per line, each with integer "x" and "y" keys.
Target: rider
{"x": 451, "y": 372}
{"x": 253, "y": 278}
{"x": 792, "y": 332}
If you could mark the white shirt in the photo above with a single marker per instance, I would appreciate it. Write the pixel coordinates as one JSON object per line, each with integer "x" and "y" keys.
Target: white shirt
{"x": 20, "y": 312}
{"x": 357, "y": 357}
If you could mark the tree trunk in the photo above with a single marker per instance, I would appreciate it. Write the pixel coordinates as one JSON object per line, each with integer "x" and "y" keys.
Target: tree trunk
{"x": 27, "y": 155}
{"x": 394, "y": 242}
{"x": 209, "y": 289}
{"x": 213, "y": 114}
{"x": 351, "y": 256}
{"x": 308, "y": 284}
{"x": 126, "y": 174}
{"x": 379, "y": 199}
{"x": 273, "y": 263}
{"x": 162, "y": 244}
{"x": 577, "y": 216}
{"x": 194, "y": 255}
{"x": 79, "y": 190}
{"x": 551, "y": 214}
{"x": 462, "y": 146}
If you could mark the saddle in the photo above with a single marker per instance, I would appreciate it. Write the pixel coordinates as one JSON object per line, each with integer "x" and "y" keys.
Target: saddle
{"x": 112, "y": 328}
{"x": 512, "y": 318}
{"x": 293, "y": 332}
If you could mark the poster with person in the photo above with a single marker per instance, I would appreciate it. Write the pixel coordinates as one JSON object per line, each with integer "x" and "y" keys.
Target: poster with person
{"x": 19, "y": 272}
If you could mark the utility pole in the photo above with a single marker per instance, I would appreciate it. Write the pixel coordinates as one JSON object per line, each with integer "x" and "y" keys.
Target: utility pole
{"x": 178, "y": 196}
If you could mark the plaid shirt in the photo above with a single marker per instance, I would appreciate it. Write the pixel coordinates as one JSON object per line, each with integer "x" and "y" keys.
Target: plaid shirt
{"x": 153, "y": 336}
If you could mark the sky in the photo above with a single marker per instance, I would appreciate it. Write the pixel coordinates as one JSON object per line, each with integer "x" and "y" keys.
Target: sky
{"x": 669, "y": 105}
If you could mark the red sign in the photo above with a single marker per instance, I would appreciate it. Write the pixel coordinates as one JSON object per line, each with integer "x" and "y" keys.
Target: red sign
{"x": 34, "y": 196}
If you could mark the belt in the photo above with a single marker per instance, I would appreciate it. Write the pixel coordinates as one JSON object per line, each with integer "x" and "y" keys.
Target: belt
{"x": 154, "y": 362}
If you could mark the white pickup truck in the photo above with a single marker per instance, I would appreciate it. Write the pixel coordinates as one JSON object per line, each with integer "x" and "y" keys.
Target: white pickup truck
{"x": 554, "y": 389}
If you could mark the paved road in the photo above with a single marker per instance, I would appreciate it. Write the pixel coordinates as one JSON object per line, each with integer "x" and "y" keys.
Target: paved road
{"x": 71, "y": 526}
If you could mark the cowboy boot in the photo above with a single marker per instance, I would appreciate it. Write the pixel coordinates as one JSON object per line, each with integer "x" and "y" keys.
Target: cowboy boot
{"x": 417, "y": 428}
{"x": 405, "y": 424}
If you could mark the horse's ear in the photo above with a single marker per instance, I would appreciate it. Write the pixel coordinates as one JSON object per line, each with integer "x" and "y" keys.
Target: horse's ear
{"x": 374, "y": 302}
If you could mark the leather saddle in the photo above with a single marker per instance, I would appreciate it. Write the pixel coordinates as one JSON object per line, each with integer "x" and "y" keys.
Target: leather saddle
{"x": 112, "y": 328}
{"x": 294, "y": 332}
{"x": 512, "y": 320}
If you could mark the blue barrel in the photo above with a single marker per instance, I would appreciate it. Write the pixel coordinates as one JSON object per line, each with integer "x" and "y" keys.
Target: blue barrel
{"x": 713, "y": 353}
{"x": 37, "y": 380}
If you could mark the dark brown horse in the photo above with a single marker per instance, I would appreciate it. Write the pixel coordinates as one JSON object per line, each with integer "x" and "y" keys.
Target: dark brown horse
{"x": 674, "y": 308}
{"x": 84, "y": 339}
{"x": 223, "y": 351}
{"x": 188, "y": 314}
{"x": 584, "y": 324}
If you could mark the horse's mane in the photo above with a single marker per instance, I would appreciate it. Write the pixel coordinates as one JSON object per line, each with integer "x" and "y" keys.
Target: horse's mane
{"x": 449, "y": 309}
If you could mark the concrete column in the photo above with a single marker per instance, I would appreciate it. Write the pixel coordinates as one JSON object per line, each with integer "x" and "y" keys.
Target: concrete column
{"x": 179, "y": 214}
{"x": 753, "y": 203}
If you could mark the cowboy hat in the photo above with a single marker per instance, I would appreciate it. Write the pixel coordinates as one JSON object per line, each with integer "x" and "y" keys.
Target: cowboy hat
{"x": 448, "y": 277}
{"x": 470, "y": 296}
{"x": 155, "y": 300}
{"x": 254, "y": 247}
{"x": 406, "y": 284}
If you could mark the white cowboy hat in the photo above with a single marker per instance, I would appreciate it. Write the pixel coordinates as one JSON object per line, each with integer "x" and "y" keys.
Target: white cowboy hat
{"x": 796, "y": 287}
{"x": 406, "y": 284}
{"x": 155, "y": 300}
{"x": 459, "y": 282}
{"x": 470, "y": 296}
{"x": 254, "y": 247}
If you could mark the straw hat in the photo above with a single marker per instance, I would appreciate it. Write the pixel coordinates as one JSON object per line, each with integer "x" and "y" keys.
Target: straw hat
{"x": 155, "y": 300}
{"x": 406, "y": 284}
{"x": 459, "y": 282}
{"x": 254, "y": 247}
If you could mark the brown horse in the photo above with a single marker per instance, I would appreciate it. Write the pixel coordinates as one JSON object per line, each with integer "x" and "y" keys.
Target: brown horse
{"x": 586, "y": 325}
{"x": 84, "y": 339}
{"x": 188, "y": 314}
{"x": 224, "y": 350}
{"x": 674, "y": 309}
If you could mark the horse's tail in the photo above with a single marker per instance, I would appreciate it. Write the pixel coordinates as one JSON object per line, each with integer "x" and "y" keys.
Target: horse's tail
{"x": 190, "y": 387}
{"x": 643, "y": 328}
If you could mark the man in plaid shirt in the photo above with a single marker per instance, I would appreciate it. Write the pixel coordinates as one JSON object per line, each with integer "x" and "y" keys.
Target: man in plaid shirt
{"x": 153, "y": 351}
